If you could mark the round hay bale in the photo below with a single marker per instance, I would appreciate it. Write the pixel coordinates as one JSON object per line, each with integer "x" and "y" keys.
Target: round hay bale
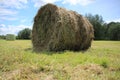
{"x": 57, "y": 29}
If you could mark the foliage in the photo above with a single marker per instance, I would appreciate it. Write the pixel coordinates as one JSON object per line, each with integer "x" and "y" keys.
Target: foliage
{"x": 2, "y": 37}
{"x": 97, "y": 22}
{"x": 114, "y": 31}
{"x": 10, "y": 37}
{"x": 24, "y": 34}
{"x": 102, "y": 30}
{"x": 104, "y": 64}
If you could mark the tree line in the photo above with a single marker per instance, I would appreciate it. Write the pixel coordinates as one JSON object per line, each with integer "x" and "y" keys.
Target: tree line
{"x": 23, "y": 34}
{"x": 102, "y": 30}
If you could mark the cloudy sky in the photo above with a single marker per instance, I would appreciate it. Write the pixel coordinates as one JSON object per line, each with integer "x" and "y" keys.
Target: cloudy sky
{"x": 16, "y": 15}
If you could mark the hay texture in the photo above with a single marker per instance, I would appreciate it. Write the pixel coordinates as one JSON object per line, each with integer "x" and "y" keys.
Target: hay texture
{"x": 57, "y": 29}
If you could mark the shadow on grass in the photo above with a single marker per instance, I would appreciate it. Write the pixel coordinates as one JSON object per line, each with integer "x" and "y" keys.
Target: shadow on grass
{"x": 49, "y": 52}
{"x": 28, "y": 49}
{"x": 54, "y": 52}
{"x": 44, "y": 52}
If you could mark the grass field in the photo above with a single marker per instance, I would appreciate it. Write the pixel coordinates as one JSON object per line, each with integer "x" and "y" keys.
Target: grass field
{"x": 19, "y": 62}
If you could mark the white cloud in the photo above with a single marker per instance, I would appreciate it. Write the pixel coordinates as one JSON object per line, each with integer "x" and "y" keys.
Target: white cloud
{"x": 12, "y": 29}
{"x": 18, "y": 4}
{"x": 2, "y": 18}
{"x": 38, "y": 3}
{"x": 2, "y": 25}
{"x": 23, "y": 20}
{"x": 80, "y": 2}
{"x": 114, "y": 20}
{"x": 51, "y": 1}
{"x": 23, "y": 1}
{"x": 8, "y": 9}
{"x": 7, "y": 14}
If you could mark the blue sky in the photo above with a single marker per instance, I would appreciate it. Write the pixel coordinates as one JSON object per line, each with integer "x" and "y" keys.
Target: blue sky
{"x": 16, "y": 15}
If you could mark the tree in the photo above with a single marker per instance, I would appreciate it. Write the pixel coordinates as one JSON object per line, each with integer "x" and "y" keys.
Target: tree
{"x": 98, "y": 24}
{"x": 24, "y": 34}
{"x": 10, "y": 37}
{"x": 113, "y": 31}
{"x": 2, "y": 37}
{"x": 106, "y": 36}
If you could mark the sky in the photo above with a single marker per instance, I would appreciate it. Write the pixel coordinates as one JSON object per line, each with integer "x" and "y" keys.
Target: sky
{"x": 15, "y": 15}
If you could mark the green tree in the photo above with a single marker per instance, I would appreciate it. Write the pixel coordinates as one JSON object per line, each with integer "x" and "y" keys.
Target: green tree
{"x": 10, "y": 37}
{"x": 106, "y": 36}
{"x": 24, "y": 34}
{"x": 113, "y": 31}
{"x": 2, "y": 37}
{"x": 98, "y": 24}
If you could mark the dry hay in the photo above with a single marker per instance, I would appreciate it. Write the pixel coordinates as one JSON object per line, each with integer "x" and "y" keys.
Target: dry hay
{"x": 57, "y": 29}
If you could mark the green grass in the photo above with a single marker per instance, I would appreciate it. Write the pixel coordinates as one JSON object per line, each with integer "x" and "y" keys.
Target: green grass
{"x": 19, "y": 62}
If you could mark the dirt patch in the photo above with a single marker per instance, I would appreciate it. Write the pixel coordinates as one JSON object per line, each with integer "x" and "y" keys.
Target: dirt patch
{"x": 28, "y": 73}
{"x": 10, "y": 75}
{"x": 86, "y": 72}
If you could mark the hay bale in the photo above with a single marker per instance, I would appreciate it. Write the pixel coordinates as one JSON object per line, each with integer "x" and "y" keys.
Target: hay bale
{"x": 57, "y": 29}
{"x": 10, "y": 37}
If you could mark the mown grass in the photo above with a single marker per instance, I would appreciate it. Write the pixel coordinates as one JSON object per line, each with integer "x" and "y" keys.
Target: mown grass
{"x": 19, "y": 62}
